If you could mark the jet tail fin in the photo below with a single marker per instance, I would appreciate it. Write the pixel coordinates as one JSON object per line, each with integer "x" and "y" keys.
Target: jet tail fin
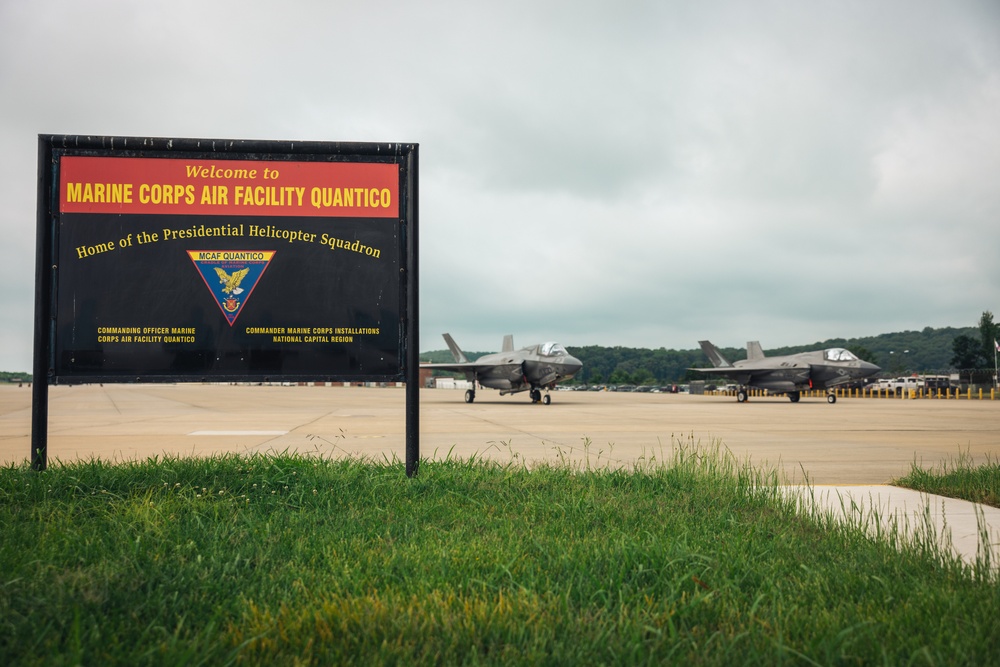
{"x": 713, "y": 354}
{"x": 508, "y": 343}
{"x": 456, "y": 351}
{"x": 754, "y": 350}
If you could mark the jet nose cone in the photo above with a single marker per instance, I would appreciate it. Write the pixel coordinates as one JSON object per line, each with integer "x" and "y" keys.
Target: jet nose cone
{"x": 572, "y": 365}
{"x": 868, "y": 369}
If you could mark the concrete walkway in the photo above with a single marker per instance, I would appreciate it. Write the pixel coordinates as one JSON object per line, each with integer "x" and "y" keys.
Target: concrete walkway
{"x": 968, "y": 530}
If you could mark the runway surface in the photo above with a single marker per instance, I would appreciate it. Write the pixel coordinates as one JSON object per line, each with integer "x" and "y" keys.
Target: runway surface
{"x": 855, "y": 441}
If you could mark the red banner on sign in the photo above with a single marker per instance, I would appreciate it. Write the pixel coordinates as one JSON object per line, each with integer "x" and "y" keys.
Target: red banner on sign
{"x": 159, "y": 186}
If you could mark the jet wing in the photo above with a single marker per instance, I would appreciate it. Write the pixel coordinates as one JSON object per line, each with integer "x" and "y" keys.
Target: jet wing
{"x": 469, "y": 366}
{"x": 487, "y": 373}
{"x": 739, "y": 375}
{"x": 730, "y": 370}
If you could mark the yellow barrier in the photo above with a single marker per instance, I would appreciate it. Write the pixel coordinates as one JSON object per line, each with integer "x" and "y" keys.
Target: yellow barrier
{"x": 939, "y": 393}
{"x": 945, "y": 394}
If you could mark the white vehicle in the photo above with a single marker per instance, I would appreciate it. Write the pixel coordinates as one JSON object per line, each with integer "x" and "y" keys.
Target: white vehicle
{"x": 906, "y": 385}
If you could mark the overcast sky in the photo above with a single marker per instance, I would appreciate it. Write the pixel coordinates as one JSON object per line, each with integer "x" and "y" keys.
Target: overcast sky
{"x": 644, "y": 174}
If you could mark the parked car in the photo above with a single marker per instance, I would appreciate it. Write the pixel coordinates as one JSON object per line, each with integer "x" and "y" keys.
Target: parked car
{"x": 898, "y": 385}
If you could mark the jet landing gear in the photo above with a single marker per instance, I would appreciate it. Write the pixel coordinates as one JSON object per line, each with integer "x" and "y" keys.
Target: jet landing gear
{"x": 535, "y": 394}
{"x": 536, "y": 397}
{"x": 794, "y": 396}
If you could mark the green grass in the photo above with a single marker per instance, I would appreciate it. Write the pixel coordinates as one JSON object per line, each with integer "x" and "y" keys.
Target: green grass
{"x": 276, "y": 560}
{"x": 958, "y": 478}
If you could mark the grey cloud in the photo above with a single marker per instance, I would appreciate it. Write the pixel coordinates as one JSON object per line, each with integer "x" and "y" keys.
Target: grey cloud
{"x": 642, "y": 174}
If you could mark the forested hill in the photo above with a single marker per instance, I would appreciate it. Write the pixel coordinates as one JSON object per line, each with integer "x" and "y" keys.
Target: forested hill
{"x": 926, "y": 351}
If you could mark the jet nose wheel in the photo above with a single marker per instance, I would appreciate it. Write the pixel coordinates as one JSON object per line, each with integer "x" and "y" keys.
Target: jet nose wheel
{"x": 831, "y": 398}
{"x": 741, "y": 396}
{"x": 470, "y": 396}
{"x": 546, "y": 399}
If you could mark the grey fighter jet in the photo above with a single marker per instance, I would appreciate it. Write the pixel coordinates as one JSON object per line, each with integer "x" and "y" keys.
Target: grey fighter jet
{"x": 531, "y": 368}
{"x": 791, "y": 374}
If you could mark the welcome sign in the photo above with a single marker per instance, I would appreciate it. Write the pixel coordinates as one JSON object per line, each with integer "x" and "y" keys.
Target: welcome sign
{"x": 225, "y": 260}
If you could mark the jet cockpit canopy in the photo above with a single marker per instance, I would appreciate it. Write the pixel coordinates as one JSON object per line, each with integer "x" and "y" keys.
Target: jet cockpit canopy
{"x": 552, "y": 349}
{"x": 839, "y": 354}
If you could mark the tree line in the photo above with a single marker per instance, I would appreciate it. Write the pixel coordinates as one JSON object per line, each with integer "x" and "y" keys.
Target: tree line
{"x": 975, "y": 356}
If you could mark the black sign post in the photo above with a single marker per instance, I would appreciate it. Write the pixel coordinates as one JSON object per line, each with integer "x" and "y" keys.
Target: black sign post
{"x": 192, "y": 260}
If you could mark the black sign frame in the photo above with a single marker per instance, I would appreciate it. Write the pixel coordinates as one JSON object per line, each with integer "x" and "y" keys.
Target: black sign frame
{"x": 119, "y": 338}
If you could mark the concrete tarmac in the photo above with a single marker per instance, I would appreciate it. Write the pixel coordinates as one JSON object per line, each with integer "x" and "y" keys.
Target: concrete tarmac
{"x": 853, "y": 442}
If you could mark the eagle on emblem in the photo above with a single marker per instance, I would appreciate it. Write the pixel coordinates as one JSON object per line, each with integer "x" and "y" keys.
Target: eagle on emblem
{"x": 232, "y": 280}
